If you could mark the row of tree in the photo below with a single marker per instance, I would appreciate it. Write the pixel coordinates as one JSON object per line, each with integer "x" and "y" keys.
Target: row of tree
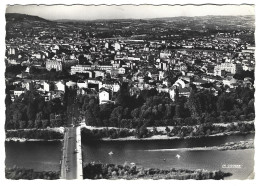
{"x": 34, "y": 134}
{"x": 154, "y": 109}
{"x": 202, "y": 130}
{"x": 30, "y": 174}
{"x": 111, "y": 171}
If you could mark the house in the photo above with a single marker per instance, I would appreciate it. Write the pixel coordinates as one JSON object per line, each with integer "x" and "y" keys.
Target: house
{"x": 121, "y": 70}
{"x": 99, "y": 73}
{"x": 219, "y": 72}
{"x": 181, "y": 83}
{"x": 172, "y": 93}
{"x": 82, "y": 84}
{"x": 27, "y": 84}
{"x": 59, "y": 86}
{"x": 199, "y": 82}
{"x": 229, "y": 81}
{"x": 18, "y": 92}
{"x": 71, "y": 84}
{"x": 46, "y": 86}
{"x": 103, "y": 96}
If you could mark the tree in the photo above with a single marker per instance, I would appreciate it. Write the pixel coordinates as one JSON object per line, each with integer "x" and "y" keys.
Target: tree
{"x": 22, "y": 124}
{"x": 89, "y": 118}
{"x": 225, "y": 102}
{"x": 116, "y": 115}
{"x": 17, "y": 116}
{"x": 39, "y": 116}
{"x": 8, "y": 100}
{"x": 31, "y": 111}
{"x": 167, "y": 129}
{"x": 194, "y": 104}
{"x": 135, "y": 113}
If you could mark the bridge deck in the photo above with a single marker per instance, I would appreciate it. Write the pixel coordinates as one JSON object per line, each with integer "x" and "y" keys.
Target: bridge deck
{"x": 71, "y": 164}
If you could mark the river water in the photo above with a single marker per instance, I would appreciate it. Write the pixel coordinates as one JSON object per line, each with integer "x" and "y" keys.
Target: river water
{"x": 40, "y": 156}
{"x": 162, "y": 154}
{"x": 45, "y": 156}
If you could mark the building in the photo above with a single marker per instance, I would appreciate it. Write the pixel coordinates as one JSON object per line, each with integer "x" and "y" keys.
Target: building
{"x": 103, "y": 97}
{"x": 84, "y": 69}
{"x": 228, "y": 67}
{"x": 18, "y": 92}
{"x": 46, "y": 86}
{"x": 219, "y": 72}
{"x": 121, "y": 70}
{"x": 117, "y": 46}
{"x": 82, "y": 84}
{"x": 54, "y": 64}
{"x": 60, "y": 86}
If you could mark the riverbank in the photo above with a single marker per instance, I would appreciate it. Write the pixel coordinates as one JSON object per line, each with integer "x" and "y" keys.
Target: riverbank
{"x": 15, "y": 139}
{"x": 162, "y": 128}
{"x": 132, "y": 172}
{"x": 22, "y": 135}
{"x": 227, "y": 146}
{"x": 30, "y": 174}
{"x": 166, "y": 133}
{"x": 163, "y": 137}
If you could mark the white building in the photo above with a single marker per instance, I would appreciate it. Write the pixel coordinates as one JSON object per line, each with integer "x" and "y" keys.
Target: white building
{"x": 17, "y": 93}
{"x": 103, "y": 97}
{"x": 71, "y": 84}
{"x": 219, "y": 72}
{"x": 229, "y": 67}
{"x": 121, "y": 71}
{"x": 99, "y": 73}
{"x": 60, "y": 86}
{"x": 82, "y": 84}
{"x": 54, "y": 64}
{"x": 117, "y": 46}
{"x": 46, "y": 86}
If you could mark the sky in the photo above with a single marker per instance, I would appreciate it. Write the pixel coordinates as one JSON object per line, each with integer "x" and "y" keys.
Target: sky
{"x": 81, "y": 12}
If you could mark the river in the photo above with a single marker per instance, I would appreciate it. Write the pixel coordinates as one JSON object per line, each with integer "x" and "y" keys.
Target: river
{"x": 162, "y": 154}
{"x": 37, "y": 155}
{"x": 45, "y": 156}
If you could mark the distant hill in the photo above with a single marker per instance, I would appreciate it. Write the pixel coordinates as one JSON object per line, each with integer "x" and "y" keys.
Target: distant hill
{"x": 23, "y": 17}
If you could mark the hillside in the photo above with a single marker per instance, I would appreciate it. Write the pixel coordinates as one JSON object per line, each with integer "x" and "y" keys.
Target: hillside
{"x": 23, "y": 17}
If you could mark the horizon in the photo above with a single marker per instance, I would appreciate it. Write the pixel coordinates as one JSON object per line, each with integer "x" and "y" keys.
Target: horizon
{"x": 102, "y": 12}
{"x": 131, "y": 18}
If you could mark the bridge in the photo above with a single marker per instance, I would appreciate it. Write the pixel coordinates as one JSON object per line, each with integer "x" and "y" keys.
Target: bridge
{"x": 71, "y": 163}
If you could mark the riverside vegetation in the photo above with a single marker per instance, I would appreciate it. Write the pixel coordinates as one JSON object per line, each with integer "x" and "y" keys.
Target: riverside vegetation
{"x": 30, "y": 174}
{"x": 178, "y": 131}
{"x": 111, "y": 171}
{"x": 42, "y": 134}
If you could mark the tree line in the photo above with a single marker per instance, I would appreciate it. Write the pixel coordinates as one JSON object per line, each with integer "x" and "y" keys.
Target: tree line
{"x": 112, "y": 171}
{"x": 202, "y": 130}
{"x": 151, "y": 108}
{"x": 30, "y": 174}
{"x": 34, "y": 134}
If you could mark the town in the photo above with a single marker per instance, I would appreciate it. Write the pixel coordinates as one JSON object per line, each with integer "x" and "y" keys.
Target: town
{"x": 52, "y": 61}
{"x": 129, "y": 79}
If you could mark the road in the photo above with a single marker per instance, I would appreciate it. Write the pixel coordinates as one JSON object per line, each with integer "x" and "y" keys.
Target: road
{"x": 71, "y": 163}
{"x": 69, "y": 159}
